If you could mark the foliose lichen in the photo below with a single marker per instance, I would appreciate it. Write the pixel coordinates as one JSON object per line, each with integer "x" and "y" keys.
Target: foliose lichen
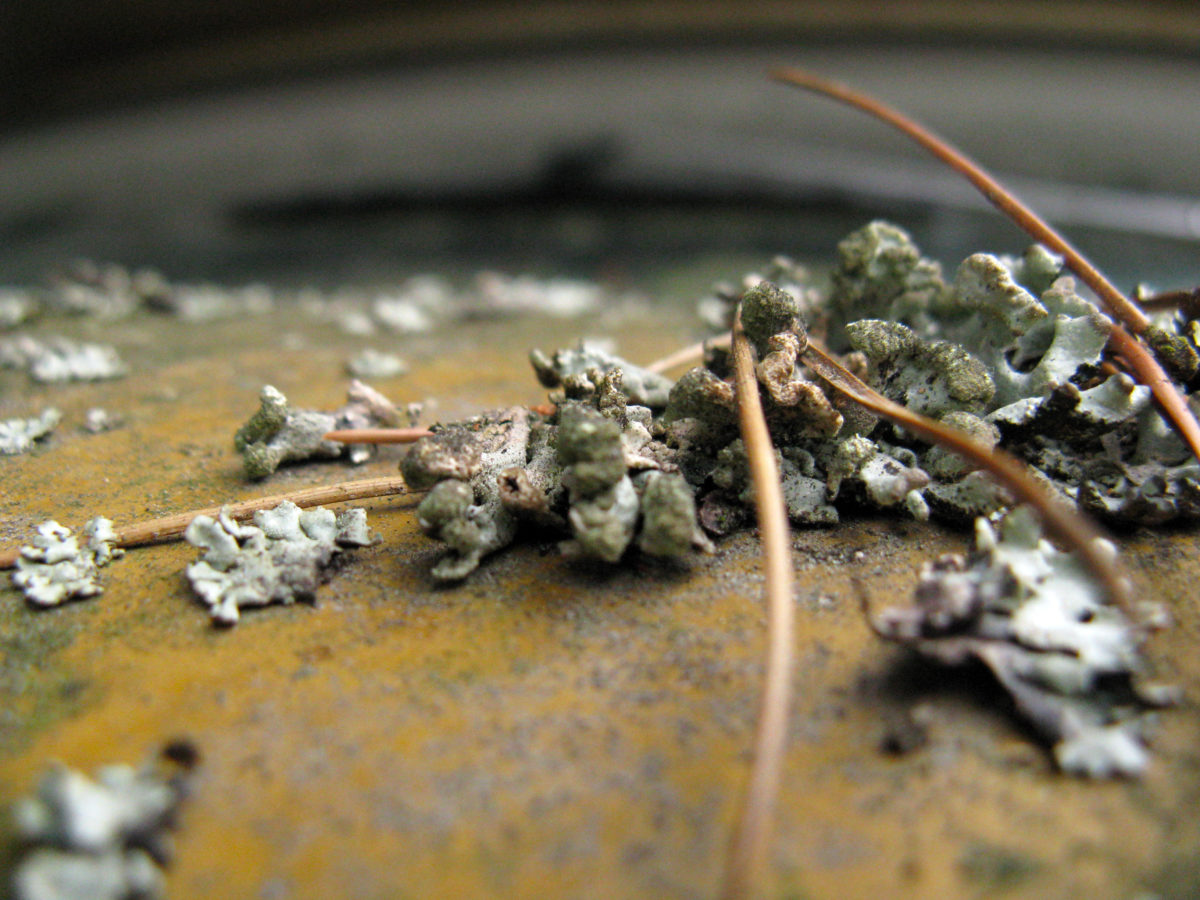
{"x": 102, "y": 838}
{"x": 280, "y": 433}
{"x": 281, "y": 558}
{"x": 641, "y": 386}
{"x": 1007, "y": 351}
{"x": 60, "y": 359}
{"x": 53, "y": 568}
{"x": 1071, "y": 661}
{"x": 19, "y": 435}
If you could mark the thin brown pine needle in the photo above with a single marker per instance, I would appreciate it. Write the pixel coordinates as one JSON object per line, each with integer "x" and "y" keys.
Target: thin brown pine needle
{"x": 1138, "y": 358}
{"x": 377, "y": 435}
{"x": 751, "y": 840}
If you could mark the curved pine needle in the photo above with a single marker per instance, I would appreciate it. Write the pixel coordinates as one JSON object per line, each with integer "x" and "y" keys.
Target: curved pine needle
{"x": 1140, "y": 360}
{"x": 748, "y": 849}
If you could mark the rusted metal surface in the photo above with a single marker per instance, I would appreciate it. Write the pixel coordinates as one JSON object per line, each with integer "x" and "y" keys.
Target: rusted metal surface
{"x": 544, "y": 729}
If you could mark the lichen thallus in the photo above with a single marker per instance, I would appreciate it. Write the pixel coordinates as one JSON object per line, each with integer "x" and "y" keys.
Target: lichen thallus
{"x": 1134, "y": 349}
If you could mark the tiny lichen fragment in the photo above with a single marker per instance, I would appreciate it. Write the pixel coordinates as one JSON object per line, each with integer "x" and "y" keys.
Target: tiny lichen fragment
{"x": 369, "y": 363}
{"x": 16, "y": 305}
{"x": 101, "y": 838}
{"x": 19, "y": 435}
{"x": 53, "y": 568}
{"x": 1034, "y": 617}
{"x": 279, "y": 559}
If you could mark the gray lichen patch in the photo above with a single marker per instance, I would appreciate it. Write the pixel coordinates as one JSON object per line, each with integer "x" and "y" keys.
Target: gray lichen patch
{"x": 19, "y": 435}
{"x": 880, "y": 274}
{"x": 53, "y": 568}
{"x": 59, "y": 359}
{"x": 471, "y": 468}
{"x": 1034, "y": 617}
{"x": 369, "y": 363}
{"x": 16, "y": 306}
{"x": 278, "y": 559}
{"x": 280, "y": 433}
{"x": 929, "y": 377}
{"x": 641, "y": 386}
{"x": 101, "y": 838}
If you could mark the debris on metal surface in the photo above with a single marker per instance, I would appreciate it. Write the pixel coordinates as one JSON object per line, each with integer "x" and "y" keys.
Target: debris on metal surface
{"x": 1072, "y": 663}
{"x": 591, "y": 471}
{"x": 280, "y": 433}
{"x": 104, "y": 837}
{"x": 53, "y": 568}
{"x": 499, "y": 294}
{"x": 278, "y": 559}
{"x": 19, "y": 435}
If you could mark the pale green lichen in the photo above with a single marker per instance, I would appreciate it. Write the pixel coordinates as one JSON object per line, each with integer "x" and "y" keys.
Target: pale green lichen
{"x": 101, "y": 838}
{"x": 929, "y": 377}
{"x": 60, "y": 359}
{"x": 603, "y": 505}
{"x": 280, "y": 433}
{"x": 53, "y": 568}
{"x": 278, "y": 559}
{"x": 465, "y": 466}
{"x": 19, "y": 435}
{"x": 641, "y": 386}
{"x": 1035, "y": 618}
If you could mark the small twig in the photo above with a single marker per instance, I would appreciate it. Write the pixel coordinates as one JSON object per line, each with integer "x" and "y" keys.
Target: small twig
{"x": 171, "y": 528}
{"x": 1140, "y": 360}
{"x": 751, "y": 840}
{"x": 1067, "y": 525}
{"x": 377, "y": 435}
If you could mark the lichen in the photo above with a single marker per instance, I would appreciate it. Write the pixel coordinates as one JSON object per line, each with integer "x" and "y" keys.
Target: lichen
{"x": 16, "y": 306}
{"x": 278, "y": 559}
{"x": 60, "y": 359}
{"x": 369, "y": 363}
{"x": 53, "y": 568}
{"x": 19, "y": 435}
{"x": 280, "y": 433}
{"x": 101, "y": 838}
{"x": 1033, "y": 616}
{"x": 641, "y": 386}
{"x": 466, "y": 467}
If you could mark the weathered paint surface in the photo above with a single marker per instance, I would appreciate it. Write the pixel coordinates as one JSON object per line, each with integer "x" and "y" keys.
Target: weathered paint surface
{"x": 543, "y": 729}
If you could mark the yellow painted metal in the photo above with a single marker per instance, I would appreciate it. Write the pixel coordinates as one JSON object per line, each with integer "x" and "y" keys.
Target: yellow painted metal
{"x": 544, "y": 729}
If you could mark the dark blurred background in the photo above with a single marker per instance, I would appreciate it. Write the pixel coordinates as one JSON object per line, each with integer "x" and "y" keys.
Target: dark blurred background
{"x": 311, "y": 141}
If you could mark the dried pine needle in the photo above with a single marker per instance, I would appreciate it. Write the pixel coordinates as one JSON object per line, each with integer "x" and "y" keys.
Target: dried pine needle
{"x": 748, "y": 848}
